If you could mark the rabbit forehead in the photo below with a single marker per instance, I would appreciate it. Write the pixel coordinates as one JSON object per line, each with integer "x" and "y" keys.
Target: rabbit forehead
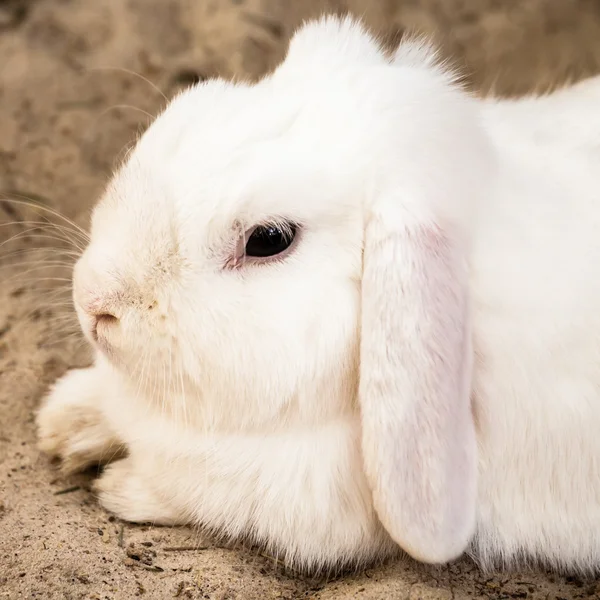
{"x": 252, "y": 156}
{"x": 307, "y": 142}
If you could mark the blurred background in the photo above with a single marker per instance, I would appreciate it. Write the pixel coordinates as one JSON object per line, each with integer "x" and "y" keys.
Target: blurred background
{"x": 79, "y": 79}
{"x": 70, "y": 98}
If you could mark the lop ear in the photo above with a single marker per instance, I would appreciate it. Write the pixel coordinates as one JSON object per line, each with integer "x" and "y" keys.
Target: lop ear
{"x": 418, "y": 434}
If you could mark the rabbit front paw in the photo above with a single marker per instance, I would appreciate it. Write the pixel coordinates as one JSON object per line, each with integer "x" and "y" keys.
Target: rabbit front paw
{"x": 124, "y": 491}
{"x": 71, "y": 426}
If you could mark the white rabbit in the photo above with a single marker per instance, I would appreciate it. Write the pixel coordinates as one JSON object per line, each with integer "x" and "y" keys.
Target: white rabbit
{"x": 350, "y": 310}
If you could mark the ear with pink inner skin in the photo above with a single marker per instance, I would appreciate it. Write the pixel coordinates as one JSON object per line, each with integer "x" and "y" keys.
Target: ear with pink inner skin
{"x": 418, "y": 434}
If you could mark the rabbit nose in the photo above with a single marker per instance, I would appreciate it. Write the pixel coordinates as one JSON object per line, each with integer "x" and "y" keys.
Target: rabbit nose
{"x": 100, "y": 316}
{"x": 99, "y": 310}
{"x": 99, "y": 295}
{"x": 104, "y": 319}
{"x": 99, "y": 304}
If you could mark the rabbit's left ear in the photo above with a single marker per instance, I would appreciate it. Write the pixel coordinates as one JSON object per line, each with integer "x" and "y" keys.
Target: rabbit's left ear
{"x": 418, "y": 434}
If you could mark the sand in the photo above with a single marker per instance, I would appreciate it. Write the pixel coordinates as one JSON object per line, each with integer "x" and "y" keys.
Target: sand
{"x": 70, "y": 102}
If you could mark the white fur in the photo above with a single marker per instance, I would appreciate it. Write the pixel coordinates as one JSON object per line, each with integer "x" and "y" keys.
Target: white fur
{"x": 239, "y": 393}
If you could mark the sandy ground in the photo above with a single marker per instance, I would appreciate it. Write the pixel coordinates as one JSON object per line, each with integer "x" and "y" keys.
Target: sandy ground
{"x": 70, "y": 101}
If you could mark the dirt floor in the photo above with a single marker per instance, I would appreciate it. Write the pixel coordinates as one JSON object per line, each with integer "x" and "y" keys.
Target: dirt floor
{"x": 74, "y": 89}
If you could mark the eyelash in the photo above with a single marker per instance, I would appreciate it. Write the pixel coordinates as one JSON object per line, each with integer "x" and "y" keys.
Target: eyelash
{"x": 286, "y": 228}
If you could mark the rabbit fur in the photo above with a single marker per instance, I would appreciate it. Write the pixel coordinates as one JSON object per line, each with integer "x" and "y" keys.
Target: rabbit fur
{"x": 421, "y": 372}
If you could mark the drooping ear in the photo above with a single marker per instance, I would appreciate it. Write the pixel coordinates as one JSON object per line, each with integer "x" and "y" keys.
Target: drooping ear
{"x": 418, "y": 435}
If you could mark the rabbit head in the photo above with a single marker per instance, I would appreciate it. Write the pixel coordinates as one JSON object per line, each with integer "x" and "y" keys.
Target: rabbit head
{"x": 296, "y": 249}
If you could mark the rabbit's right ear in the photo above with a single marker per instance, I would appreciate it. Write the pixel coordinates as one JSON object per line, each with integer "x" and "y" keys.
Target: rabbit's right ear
{"x": 418, "y": 435}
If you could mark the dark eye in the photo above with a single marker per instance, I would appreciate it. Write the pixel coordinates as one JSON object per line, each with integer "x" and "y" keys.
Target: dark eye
{"x": 270, "y": 240}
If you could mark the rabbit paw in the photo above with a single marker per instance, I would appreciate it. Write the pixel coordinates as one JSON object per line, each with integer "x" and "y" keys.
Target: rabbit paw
{"x": 72, "y": 428}
{"x": 124, "y": 492}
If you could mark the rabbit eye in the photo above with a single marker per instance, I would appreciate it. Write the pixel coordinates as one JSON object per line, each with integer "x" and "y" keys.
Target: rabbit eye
{"x": 269, "y": 240}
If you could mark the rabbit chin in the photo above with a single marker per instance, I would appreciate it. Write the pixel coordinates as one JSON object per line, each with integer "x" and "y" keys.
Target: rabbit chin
{"x": 202, "y": 396}
{"x": 295, "y": 487}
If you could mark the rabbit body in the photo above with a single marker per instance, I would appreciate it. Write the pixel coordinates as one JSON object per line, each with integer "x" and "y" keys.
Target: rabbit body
{"x": 536, "y": 380}
{"x": 241, "y": 410}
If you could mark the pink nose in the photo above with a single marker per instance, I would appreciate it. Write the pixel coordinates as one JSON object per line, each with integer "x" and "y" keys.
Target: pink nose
{"x": 102, "y": 321}
{"x": 100, "y": 312}
{"x": 98, "y": 295}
